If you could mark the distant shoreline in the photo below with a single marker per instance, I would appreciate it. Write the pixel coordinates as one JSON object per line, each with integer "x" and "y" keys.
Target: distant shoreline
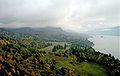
{"x": 104, "y": 47}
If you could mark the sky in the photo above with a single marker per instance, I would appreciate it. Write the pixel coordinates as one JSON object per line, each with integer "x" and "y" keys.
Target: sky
{"x": 74, "y": 15}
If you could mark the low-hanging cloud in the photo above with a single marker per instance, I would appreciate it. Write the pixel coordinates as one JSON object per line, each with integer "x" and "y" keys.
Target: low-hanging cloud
{"x": 75, "y": 15}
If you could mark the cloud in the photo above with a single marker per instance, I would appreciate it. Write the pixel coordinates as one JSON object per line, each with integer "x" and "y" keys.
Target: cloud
{"x": 75, "y": 15}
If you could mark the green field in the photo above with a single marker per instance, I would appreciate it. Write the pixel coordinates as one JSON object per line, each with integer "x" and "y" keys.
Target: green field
{"x": 56, "y": 43}
{"x": 81, "y": 69}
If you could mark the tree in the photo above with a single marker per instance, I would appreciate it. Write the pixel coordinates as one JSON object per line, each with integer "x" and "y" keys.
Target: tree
{"x": 54, "y": 49}
{"x": 65, "y": 46}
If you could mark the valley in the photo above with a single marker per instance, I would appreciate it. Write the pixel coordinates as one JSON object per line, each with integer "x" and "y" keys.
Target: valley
{"x": 28, "y": 54}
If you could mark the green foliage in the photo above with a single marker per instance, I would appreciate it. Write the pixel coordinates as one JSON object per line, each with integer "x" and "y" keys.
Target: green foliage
{"x": 88, "y": 54}
{"x": 25, "y": 55}
{"x": 65, "y": 46}
{"x": 22, "y": 57}
{"x": 57, "y": 47}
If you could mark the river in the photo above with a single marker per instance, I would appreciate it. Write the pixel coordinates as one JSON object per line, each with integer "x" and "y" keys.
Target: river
{"x": 107, "y": 44}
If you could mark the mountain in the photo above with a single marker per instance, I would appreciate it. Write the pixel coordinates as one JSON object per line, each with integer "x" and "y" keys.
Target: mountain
{"x": 49, "y": 33}
{"x": 114, "y": 31}
{"x": 36, "y": 30}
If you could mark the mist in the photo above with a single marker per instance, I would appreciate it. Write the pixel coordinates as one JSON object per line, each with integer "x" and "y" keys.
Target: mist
{"x": 71, "y": 15}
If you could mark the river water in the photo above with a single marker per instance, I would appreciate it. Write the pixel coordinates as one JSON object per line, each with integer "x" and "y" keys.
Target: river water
{"x": 107, "y": 44}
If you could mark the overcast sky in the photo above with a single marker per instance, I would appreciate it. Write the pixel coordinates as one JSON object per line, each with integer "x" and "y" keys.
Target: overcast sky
{"x": 75, "y": 15}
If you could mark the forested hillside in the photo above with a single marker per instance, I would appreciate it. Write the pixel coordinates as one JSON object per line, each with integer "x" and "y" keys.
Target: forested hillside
{"x": 49, "y": 34}
{"x": 25, "y": 54}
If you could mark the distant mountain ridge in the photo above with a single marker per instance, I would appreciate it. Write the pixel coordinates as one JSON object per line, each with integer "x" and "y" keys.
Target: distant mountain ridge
{"x": 114, "y": 31}
{"x": 36, "y": 30}
{"x": 49, "y": 33}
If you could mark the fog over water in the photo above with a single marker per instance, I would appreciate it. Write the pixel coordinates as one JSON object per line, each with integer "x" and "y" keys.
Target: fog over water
{"x": 107, "y": 44}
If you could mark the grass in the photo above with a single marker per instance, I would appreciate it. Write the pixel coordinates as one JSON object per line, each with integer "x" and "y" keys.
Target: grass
{"x": 81, "y": 69}
{"x": 56, "y": 43}
{"x": 60, "y": 43}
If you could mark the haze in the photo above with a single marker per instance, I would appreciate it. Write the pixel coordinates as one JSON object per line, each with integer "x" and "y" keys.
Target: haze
{"x": 74, "y": 15}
